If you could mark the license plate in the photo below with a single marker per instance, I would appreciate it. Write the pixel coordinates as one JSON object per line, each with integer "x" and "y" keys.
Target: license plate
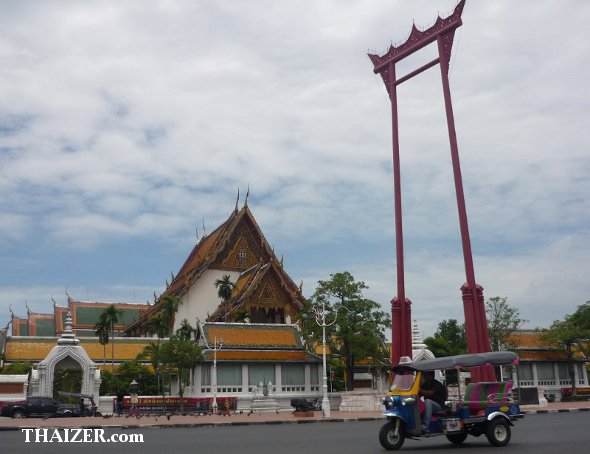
{"x": 452, "y": 425}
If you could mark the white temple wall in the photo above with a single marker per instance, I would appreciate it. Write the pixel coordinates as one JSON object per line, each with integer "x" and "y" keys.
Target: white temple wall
{"x": 202, "y": 299}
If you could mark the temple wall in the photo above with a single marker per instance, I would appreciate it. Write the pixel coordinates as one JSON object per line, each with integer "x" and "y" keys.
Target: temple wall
{"x": 202, "y": 297}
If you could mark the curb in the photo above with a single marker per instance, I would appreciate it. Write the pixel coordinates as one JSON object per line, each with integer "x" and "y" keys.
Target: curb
{"x": 559, "y": 410}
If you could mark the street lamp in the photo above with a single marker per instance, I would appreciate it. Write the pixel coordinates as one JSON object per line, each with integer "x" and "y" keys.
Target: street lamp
{"x": 217, "y": 344}
{"x": 133, "y": 389}
{"x": 320, "y": 319}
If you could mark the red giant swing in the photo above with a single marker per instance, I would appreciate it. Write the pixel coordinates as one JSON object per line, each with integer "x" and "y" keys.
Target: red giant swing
{"x": 442, "y": 33}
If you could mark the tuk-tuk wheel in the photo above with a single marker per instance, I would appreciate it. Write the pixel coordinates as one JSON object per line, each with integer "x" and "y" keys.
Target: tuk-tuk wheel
{"x": 498, "y": 432}
{"x": 389, "y": 439}
{"x": 457, "y": 438}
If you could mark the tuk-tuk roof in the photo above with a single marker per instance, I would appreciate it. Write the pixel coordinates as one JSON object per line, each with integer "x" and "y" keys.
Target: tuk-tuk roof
{"x": 460, "y": 361}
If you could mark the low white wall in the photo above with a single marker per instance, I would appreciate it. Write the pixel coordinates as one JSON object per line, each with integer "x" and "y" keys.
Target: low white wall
{"x": 362, "y": 400}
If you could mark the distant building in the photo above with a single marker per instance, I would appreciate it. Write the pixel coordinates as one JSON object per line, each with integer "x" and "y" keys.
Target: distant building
{"x": 35, "y": 335}
{"x": 85, "y": 315}
{"x": 542, "y": 367}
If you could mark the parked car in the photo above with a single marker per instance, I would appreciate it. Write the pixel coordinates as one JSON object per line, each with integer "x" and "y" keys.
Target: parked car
{"x": 32, "y": 406}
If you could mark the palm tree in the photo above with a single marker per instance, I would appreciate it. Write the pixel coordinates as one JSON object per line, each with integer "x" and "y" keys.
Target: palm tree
{"x": 111, "y": 316}
{"x": 151, "y": 352}
{"x": 102, "y": 331}
{"x": 169, "y": 308}
{"x": 158, "y": 326}
{"x": 225, "y": 287}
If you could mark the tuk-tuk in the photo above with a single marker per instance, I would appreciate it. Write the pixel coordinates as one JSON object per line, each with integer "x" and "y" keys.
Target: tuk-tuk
{"x": 485, "y": 408}
{"x": 82, "y": 408}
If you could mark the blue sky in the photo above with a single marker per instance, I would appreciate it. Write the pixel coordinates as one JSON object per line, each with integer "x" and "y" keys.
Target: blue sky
{"x": 125, "y": 126}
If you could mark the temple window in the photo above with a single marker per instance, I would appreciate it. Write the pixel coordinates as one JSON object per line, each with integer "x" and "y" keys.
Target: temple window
{"x": 242, "y": 257}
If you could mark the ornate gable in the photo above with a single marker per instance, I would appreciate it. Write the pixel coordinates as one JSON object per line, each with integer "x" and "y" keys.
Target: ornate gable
{"x": 240, "y": 255}
{"x": 266, "y": 294}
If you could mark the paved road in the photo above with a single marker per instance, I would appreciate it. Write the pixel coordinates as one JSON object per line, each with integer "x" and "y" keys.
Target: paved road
{"x": 538, "y": 434}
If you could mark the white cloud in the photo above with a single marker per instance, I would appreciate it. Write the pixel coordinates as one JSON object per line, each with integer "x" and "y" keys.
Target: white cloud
{"x": 138, "y": 121}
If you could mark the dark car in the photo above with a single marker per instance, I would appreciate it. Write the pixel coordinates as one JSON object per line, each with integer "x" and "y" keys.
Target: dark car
{"x": 32, "y": 406}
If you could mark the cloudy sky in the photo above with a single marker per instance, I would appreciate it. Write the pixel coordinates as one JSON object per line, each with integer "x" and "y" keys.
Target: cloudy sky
{"x": 125, "y": 126}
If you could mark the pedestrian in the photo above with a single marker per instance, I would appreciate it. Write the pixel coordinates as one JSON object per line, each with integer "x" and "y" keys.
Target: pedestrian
{"x": 119, "y": 402}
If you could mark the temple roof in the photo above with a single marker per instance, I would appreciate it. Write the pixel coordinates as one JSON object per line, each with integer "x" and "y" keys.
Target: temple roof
{"x": 251, "y": 281}
{"x": 253, "y": 342}
{"x": 35, "y": 349}
{"x": 208, "y": 248}
{"x": 217, "y": 250}
{"x": 530, "y": 346}
{"x": 85, "y": 315}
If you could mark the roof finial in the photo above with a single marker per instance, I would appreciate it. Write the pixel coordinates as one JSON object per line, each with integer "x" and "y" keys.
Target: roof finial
{"x": 247, "y": 194}
{"x": 68, "y": 295}
{"x": 28, "y": 308}
{"x": 237, "y": 200}
{"x": 282, "y": 259}
{"x": 204, "y": 229}
{"x": 11, "y": 313}
{"x": 301, "y": 286}
{"x": 197, "y": 233}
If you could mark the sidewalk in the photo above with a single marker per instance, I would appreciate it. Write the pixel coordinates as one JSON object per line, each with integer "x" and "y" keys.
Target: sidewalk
{"x": 237, "y": 419}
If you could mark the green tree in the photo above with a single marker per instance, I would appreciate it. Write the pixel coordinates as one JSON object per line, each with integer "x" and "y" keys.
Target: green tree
{"x": 18, "y": 368}
{"x": 181, "y": 355}
{"x": 126, "y": 373}
{"x": 186, "y": 331}
{"x": 168, "y": 308}
{"x": 581, "y": 318}
{"x": 440, "y": 347}
{"x": 449, "y": 339}
{"x": 566, "y": 336}
{"x": 503, "y": 320}
{"x": 358, "y": 332}
{"x": 225, "y": 287}
{"x": 110, "y": 317}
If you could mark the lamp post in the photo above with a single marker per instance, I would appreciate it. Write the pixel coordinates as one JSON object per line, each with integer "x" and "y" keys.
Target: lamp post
{"x": 217, "y": 344}
{"x": 133, "y": 388}
{"x": 320, "y": 319}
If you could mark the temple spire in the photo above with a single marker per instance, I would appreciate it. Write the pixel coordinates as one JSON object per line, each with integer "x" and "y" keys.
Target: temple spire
{"x": 68, "y": 337}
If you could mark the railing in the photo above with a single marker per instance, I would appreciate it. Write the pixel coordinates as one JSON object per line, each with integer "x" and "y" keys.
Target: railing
{"x": 229, "y": 389}
{"x": 293, "y": 388}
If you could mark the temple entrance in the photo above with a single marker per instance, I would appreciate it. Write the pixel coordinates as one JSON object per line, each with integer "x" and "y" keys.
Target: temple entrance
{"x": 67, "y": 368}
{"x": 262, "y": 315}
{"x": 67, "y": 377}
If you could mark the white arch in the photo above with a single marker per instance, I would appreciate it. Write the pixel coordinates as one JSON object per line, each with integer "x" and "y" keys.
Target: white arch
{"x": 46, "y": 368}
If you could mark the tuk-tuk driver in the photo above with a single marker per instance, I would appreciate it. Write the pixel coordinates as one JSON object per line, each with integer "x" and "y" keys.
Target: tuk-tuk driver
{"x": 435, "y": 395}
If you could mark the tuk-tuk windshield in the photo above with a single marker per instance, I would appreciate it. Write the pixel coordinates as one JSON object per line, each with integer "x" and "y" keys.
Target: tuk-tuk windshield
{"x": 403, "y": 381}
